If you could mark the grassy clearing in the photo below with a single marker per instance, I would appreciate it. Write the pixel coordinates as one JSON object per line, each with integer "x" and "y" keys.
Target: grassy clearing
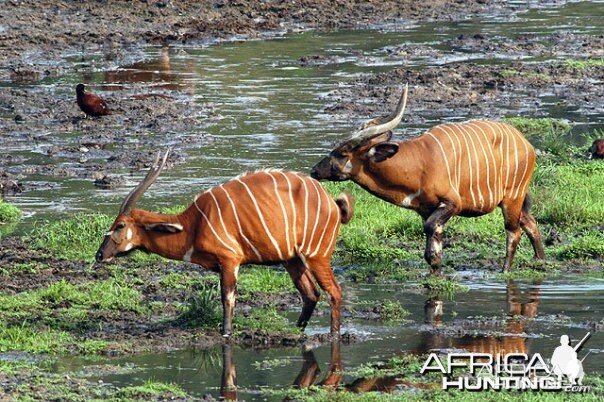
{"x": 566, "y": 192}
{"x": 9, "y": 213}
{"x": 264, "y": 319}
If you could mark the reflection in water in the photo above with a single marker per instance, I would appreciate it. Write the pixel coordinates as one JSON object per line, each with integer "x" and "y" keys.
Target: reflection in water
{"x": 518, "y": 307}
{"x": 309, "y": 372}
{"x": 515, "y": 304}
{"x": 157, "y": 72}
{"x": 228, "y": 382}
{"x": 310, "y": 369}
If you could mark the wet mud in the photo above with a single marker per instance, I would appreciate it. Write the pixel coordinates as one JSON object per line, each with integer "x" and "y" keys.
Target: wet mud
{"x": 484, "y": 91}
{"x": 114, "y": 27}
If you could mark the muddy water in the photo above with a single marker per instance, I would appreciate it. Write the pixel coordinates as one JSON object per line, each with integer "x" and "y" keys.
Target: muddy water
{"x": 267, "y": 108}
{"x": 493, "y": 317}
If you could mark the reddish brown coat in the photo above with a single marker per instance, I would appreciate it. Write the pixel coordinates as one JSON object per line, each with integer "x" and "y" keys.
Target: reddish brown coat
{"x": 91, "y": 104}
{"x": 264, "y": 217}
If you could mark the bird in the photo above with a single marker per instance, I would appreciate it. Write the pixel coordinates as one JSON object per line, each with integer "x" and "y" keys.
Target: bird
{"x": 91, "y": 104}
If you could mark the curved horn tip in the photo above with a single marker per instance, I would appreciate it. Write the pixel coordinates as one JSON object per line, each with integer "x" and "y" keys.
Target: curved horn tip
{"x": 165, "y": 156}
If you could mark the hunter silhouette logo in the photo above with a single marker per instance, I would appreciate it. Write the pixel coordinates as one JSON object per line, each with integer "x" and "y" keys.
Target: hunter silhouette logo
{"x": 519, "y": 371}
{"x": 565, "y": 361}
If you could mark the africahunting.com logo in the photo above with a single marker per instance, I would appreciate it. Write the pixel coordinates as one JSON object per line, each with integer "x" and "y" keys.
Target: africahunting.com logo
{"x": 512, "y": 371}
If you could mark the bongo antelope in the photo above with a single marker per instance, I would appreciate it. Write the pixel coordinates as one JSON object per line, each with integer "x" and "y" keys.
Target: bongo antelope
{"x": 265, "y": 217}
{"x": 466, "y": 169}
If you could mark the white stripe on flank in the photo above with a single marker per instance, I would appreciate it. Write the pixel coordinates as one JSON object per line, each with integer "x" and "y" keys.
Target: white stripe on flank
{"x": 492, "y": 151}
{"x": 285, "y": 220}
{"x": 515, "y": 157}
{"x": 486, "y": 159}
{"x": 329, "y": 202}
{"x": 109, "y": 233}
{"x": 270, "y": 236}
{"x": 334, "y": 230}
{"x": 507, "y": 158}
{"x": 525, "y": 164}
{"x": 501, "y": 164}
{"x": 446, "y": 161}
{"x": 291, "y": 201}
{"x": 449, "y": 130}
{"x": 468, "y": 155}
{"x": 212, "y": 228}
{"x": 249, "y": 243}
{"x": 226, "y": 232}
{"x": 455, "y": 173}
{"x": 305, "y": 209}
{"x": 480, "y": 196}
{"x": 314, "y": 229}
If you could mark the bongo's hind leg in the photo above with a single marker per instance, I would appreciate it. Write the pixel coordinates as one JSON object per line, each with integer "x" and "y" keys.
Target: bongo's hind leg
{"x": 321, "y": 270}
{"x": 511, "y": 217}
{"x": 303, "y": 281}
{"x": 529, "y": 225}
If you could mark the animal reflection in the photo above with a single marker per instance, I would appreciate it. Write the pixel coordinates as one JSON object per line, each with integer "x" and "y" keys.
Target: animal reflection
{"x": 310, "y": 372}
{"x": 518, "y": 306}
{"x": 157, "y": 71}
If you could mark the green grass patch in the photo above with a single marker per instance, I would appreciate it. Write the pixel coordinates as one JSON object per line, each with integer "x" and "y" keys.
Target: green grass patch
{"x": 581, "y": 65}
{"x": 153, "y": 389}
{"x": 254, "y": 280}
{"x": 569, "y": 195}
{"x": 539, "y": 127}
{"x": 75, "y": 238}
{"x": 586, "y": 246}
{"x": 48, "y": 320}
{"x": 32, "y": 340}
{"x": 379, "y": 231}
{"x": 203, "y": 308}
{"x": 103, "y": 295}
{"x": 408, "y": 364}
{"x": 441, "y": 285}
{"x": 264, "y": 319}
{"x": 9, "y": 213}
{"x": 392, "y": 310}
{"x": 78, "y": 238}
{"x": 388, "y": 310}
{"x": 12, "y": 367}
